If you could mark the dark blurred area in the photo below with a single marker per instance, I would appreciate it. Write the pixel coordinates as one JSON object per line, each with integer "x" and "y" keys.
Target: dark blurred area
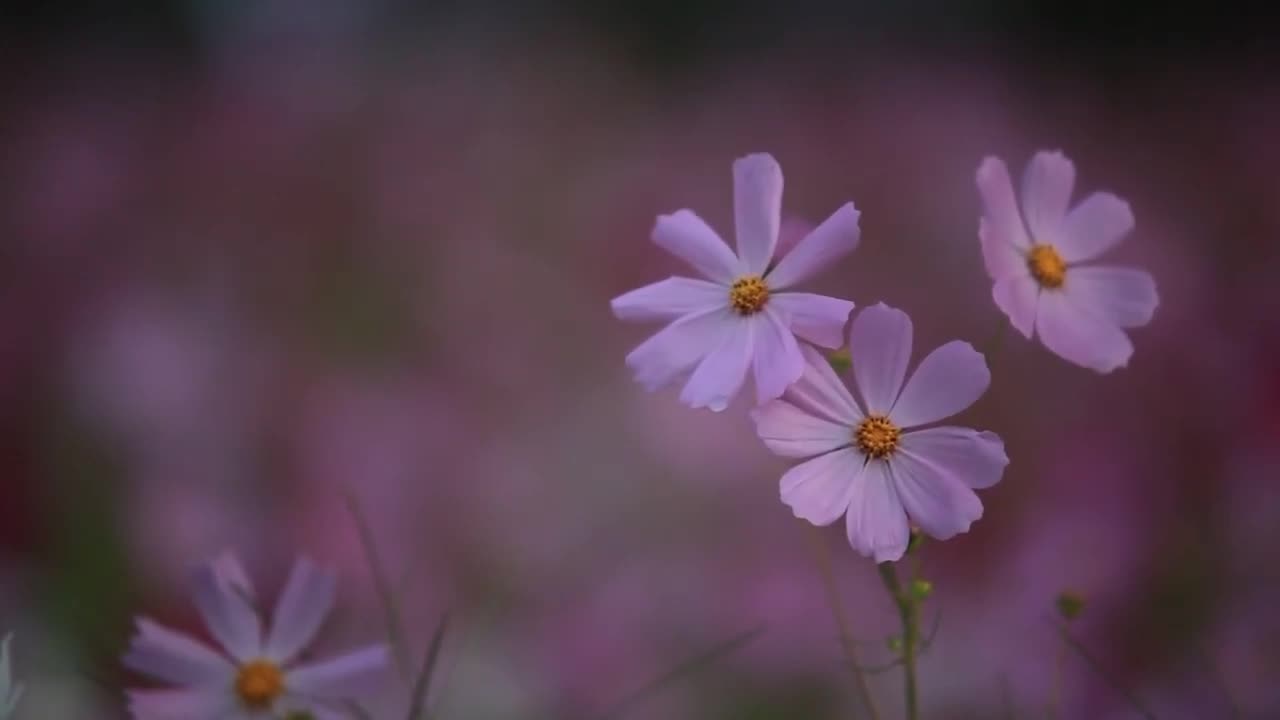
{"x": 667, "y": 33}
{"x": 255, "y": 256}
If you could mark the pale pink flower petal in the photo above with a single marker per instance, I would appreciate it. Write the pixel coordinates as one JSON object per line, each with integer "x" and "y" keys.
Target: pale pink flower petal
{"x": 175, "y": 657}
{"x": 1125, "y": 296}
{"x": 792, "y": 231}
{"x": 1003, "y": 234}
{"x": 740, "y": 319}
{"x": 1079, "y": 335}
{"x": 1018, "y": 296}
{"x": 190, "y": 704}
{"x": 669, "y": 299}
{"x": 722, "y": 372}
{"x": 778, "y": 361}
{"x": 231, "y": 575}
{"x": 817, "y": 318}
{"x": 222, "y": 602}
{"x": 837, "y": 236}
{"x": 819, "y": 390}
{"x": 1046, "y": 191}
{"x": 949, "y": 380}
{"x": 678, "y": 347}
{"x": 303, "y": 605}
{"x": 876, "y": 523}
{"x": 1094, "y": 226}
{"x": 1079, "y": 312}
{"x": 346, "y": 676}
{"x": 821, "y": 489}
{"x": 689, "y": 238}
{"x": 757, "y": 209}
{"x": 976, "y": 457}
{"x": 880, "y": 347}
{"x": 935, "y": 499}
{"x": 926, "y": 474}
{"x": 789, "y": 431}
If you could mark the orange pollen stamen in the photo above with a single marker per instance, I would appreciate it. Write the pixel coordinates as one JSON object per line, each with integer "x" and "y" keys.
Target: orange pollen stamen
{"x": 877, "y": 437}
{"x": 259, "y": 683}
{"x": 748, "y": 294}
{"x": 1047, "y": 266}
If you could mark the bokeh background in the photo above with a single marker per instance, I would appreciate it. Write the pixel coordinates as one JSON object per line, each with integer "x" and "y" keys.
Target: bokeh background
{"x": 260, "y": 257}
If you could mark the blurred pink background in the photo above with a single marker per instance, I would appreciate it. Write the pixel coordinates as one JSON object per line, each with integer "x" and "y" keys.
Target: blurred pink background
{"x": 304, "y": 264}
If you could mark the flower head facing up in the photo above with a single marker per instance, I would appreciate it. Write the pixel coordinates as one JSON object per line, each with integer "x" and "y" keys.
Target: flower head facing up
{"x": 250, "y": 676}
{"x": 748, "y": 294}
{"x": 1038, "y": 257}
{"x": 870, "y": 461}
{"x": 743, "y": 316}
{"x": 10, "y": 691}
{"x": 877, "y": 437}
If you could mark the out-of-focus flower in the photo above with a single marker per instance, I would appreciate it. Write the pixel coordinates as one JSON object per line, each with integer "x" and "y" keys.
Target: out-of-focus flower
{"x": 254, "y": 676}
{"x": 864, "y": 465}
{"x": 1079, "y": 311}
{"x": 737, "y": 317}
{"x": 10, "y": 691}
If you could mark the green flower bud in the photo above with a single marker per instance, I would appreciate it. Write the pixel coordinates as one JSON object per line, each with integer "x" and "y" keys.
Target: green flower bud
{"x": 921, "y": 589}
{"x": 1070, "y": 604}
{"x": 840, "y": 360}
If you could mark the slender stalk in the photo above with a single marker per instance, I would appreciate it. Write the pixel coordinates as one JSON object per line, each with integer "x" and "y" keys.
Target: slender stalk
{"x": 382, "y": 584}
{"x": 681, "y": 671}
{"x": 418, "y": 700}
{"x": 1055, "y": 691}
{"x": 1006, "y": 697}
{"x": 909, "y": 615}
{"x": 1097, "y": 667}
{"x": 823, "y": 559}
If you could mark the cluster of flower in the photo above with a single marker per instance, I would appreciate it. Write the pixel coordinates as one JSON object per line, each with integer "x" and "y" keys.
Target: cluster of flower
{"x": 868, "y": 459}
{"x": 874, "y": 456}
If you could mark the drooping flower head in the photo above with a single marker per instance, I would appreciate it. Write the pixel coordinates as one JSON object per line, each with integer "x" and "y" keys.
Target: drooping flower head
{"x": 1036, "y": 258}
{"x": 251, "y": 676}
{"x": 742, "y": 316}
{"x": 10, "y": 691}
{"x": 868, "y": 460}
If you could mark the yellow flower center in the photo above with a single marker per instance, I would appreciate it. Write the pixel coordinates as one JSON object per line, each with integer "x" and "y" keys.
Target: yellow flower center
{"x": 748, "y": 294}
{"x": 876, "y": 437}
{"x": 1046, "y": 266}
{"x": 259, "y": 683}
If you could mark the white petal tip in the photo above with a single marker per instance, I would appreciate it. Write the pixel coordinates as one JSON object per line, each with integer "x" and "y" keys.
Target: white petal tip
{"x": 989, "y": 164}
{"x": 757, "y": 159}
{"x": 893, "y": 554}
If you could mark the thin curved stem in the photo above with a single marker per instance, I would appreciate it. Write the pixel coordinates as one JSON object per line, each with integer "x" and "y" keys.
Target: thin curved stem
{"x": 1055, "y": 692}
{"x": 823, "y": 559}
{"x": 909, "y": 615}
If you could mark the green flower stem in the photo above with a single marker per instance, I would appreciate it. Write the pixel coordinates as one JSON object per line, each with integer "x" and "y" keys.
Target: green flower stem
{"x": 908, "y": 605}
{"x": 823, "y": 558}
{"x": 1055, "y": 693}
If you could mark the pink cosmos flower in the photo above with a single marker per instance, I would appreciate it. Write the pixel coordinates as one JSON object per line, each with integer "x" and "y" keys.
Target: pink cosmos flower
{"x": 1079, "y": 311}
{"x": 738, "y": 317}
{"x": 865, "y": 464}
{"x": 250, "y": 678}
